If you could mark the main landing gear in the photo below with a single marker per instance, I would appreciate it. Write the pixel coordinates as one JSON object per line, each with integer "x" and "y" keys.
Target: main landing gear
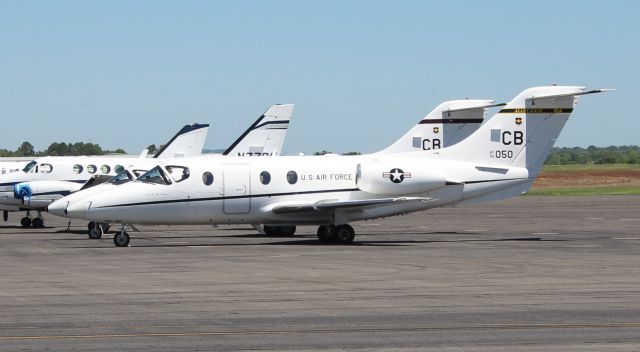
{"x": 96, "y": 229}
{"x": 342, "y": 234}
{"x": 279, "y": 230}
{"x": 37, "y": 222}
{"x": 121, "y": 239}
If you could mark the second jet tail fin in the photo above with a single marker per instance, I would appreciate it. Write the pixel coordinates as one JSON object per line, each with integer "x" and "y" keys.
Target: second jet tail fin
{"x": 448, "y": 124}
{"x": 189, "y": 141}
{"x": 266, "y": 135}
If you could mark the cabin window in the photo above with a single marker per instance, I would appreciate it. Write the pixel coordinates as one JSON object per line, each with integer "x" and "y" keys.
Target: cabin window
{"x": 265, "y": 177}
{"x": 292, "y": 177}
{"x": 91, "y": 169}
{"x": 30, "y": 166}
{"x": 207, "y": 178}
{"x": 118, "y": 169}
{"x": 77, "y": 168}
{"x": 105, "y": 169}
{"x": 155, "y": 175}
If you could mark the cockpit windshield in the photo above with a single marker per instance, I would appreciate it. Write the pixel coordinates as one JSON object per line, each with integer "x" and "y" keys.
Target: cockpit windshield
{"x": 121, "y": 178}
{"x": 137, "y": 173}
{"x": 155, "y": 175}
{"x": 30, "y": 166}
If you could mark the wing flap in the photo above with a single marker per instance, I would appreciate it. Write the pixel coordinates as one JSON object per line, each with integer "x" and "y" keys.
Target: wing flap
{"x": 332, "y": 204}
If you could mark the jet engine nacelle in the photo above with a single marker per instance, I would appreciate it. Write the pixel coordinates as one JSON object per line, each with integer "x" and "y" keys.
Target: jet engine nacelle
{"x": 398, "y": 179}
{"x": 42, "y": 193}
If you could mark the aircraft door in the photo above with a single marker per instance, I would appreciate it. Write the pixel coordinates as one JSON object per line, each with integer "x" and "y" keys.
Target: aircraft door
{"x": 237, "y": 189}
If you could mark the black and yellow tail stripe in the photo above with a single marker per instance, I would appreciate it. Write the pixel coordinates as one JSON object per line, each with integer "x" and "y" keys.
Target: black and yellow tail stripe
{"x": 537, "y": 111}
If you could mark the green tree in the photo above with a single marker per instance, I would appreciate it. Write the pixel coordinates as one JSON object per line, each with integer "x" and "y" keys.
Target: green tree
{"x": 26, "y": 149}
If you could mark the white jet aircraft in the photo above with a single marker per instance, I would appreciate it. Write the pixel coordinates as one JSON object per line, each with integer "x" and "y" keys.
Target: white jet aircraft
{"x": 449, "y": 123}
{"x": 265, "y": 137}
{"x": 500, "y": 160}
{"x": 46, "y": 179}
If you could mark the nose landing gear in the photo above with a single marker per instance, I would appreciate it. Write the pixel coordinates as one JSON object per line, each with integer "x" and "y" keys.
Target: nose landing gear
{"x": 95, "y": 230}
{"x": 121, "y": 239}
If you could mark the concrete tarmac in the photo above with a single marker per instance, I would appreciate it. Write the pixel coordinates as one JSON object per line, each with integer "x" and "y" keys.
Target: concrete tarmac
{"x": 527, "y": 274}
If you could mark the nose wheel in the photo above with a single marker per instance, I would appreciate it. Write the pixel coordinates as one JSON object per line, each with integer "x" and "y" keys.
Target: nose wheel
{"x": 121, "y": 239}
{"x": 341, "y": 234}
{"x": 95, "y": 230}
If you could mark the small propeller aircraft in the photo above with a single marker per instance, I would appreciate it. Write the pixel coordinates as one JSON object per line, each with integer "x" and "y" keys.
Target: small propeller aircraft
{"x": 501, "y": 159}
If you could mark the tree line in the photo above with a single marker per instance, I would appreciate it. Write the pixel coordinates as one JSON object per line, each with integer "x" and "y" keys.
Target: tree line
{"x": 626, "y": 154}
{"x": 26, "y": 149}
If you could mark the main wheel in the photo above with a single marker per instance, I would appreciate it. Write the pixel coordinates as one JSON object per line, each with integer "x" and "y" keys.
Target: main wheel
{"x": 325, "y": 233}
{"x": 25, "y": 222}
{"x": 95, "y": 232}
{"x": 344, "y": 234}
{"x": 37, "y": 223}
{"x": 288, "y": 230}
{"x": 270, "y": 230}
{"x": 121, "y": 239}
{"x": 91, "y": 225}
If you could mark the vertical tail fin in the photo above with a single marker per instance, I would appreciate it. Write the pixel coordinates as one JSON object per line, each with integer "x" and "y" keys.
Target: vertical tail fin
{"x": 266, "y": 135}
{"x": 189, "y": 141}
{"x": 523, "y": 132}
{"x": 448, "y": 124}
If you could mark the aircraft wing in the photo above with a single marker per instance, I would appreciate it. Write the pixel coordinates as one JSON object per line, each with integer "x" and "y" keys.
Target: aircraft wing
{"x": 332, "y": 204}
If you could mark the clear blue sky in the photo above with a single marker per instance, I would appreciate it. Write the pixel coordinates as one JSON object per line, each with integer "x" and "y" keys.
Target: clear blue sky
{"x": 130, "y": 73}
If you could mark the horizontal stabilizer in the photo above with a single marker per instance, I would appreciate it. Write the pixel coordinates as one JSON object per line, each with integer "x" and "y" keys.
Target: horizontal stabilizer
{"x": 593, "y": 91}
{"x": 448, "y": 112}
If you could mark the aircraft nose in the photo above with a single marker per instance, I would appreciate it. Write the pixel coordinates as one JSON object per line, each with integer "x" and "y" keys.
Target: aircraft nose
{"x": 58, "y": 208}
{"x": 77, "y": 210}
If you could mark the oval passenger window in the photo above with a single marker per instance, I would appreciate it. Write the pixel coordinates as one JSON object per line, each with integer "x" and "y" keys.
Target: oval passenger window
{"x": 292, "y": 177}
{"x": 265, "y": 177}
{"x": 207, "y": 178}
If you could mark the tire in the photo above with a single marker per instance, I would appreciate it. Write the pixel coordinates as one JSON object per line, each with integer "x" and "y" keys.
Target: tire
{"x": 325, "y": 233}
{"x": 90, "y": 225}
{"x": 37, "y": 223}
{"x": 25, "y": 222}
{"x": 344, "y": 234}
{"x": 105, "y": 227}
{"x": 121, "y": 239}
{"x": 288, "y": 230}
{"x": 95, "y": 232}
{"x": 270, "y": 230}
